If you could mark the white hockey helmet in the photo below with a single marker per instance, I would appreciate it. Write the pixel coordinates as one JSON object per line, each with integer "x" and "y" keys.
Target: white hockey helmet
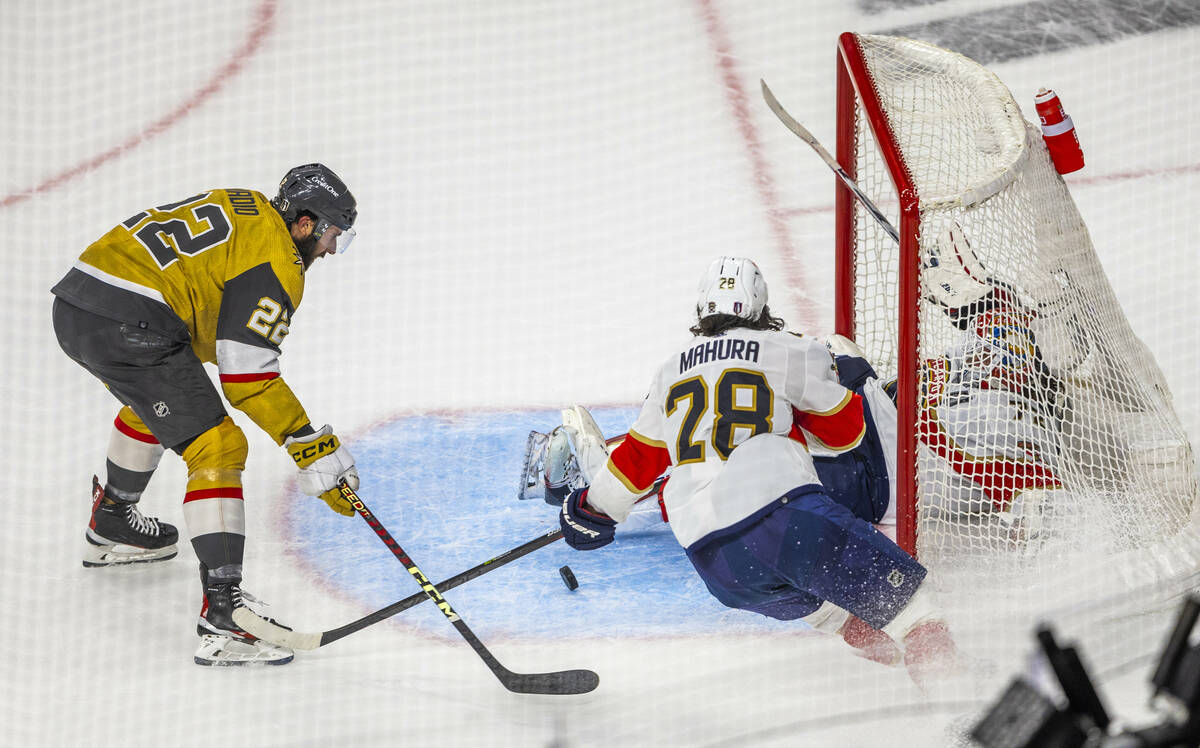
{"x": 732, "y": 285}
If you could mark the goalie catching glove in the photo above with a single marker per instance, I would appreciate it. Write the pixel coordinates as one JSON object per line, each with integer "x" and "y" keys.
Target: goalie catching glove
{"x": 583, "y": 528}
{"x": 957, "y": 281}
{"x": 323, "y": 463}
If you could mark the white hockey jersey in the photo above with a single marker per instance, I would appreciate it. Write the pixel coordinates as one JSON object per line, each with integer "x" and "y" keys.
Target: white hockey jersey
{"x": 985, "y": 412}
{"x": 733, "y": 416}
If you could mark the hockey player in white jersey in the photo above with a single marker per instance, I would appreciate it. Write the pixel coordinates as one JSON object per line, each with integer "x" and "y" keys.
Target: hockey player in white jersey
{"x": 733, "y": 414}
{"x": 989, "y": 424}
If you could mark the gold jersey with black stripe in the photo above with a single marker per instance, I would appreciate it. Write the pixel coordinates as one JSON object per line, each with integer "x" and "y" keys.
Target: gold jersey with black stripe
{"x": 219, "y": 267}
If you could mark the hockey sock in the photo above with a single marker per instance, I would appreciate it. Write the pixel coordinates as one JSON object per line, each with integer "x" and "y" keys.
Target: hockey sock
{"x": 216, "y": 519}
{"x": 133, "y": 456}
{"x": 212, "y": 505}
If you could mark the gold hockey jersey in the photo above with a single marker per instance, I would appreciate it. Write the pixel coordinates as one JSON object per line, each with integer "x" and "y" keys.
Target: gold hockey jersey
{"x": 219, "y": 267}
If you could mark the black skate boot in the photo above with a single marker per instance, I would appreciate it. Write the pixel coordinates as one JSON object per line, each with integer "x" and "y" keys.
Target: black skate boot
{"x": 119, "y": 534}
{"x": 222, "y": 641}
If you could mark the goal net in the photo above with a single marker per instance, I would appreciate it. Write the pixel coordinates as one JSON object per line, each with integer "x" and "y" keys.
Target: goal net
{"x": 1037, "y": 432}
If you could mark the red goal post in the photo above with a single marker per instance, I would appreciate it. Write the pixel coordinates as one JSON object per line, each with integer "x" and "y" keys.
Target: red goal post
{"x": 852, "y": 73}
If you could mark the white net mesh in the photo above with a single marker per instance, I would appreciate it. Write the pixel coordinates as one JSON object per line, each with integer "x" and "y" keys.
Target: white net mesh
{"x": 1046, "y": 433}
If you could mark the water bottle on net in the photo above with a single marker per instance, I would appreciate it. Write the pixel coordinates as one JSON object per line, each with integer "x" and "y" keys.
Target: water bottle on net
{"x": 1059, "y": 132}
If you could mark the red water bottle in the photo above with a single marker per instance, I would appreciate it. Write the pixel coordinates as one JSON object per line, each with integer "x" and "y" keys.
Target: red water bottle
{"x": 1059, "y": 132}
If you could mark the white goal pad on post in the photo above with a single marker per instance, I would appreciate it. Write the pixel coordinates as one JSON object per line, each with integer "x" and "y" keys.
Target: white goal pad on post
{"x": 1042, "y": 469}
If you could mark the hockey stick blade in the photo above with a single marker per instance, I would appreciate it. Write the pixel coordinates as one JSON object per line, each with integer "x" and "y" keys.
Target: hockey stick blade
{"x": 802, "y": 132}
{"x": 268, "y": 631}
{"x": 263, "y": 629}
{"x": 564, "y": 682}
{"x": 557, "y": 683}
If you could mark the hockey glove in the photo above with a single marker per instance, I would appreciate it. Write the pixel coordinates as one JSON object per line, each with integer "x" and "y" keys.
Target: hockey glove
{"x": 323, "y": 462}
{"x": 583, "y": 528}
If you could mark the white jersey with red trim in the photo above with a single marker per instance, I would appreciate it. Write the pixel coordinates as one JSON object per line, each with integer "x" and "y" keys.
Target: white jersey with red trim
{"x": 732, "y": 415}
{"x": 986, "y": 411}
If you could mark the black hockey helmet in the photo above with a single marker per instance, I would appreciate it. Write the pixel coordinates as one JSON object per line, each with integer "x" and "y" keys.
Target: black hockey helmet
{"x": 316, "y": 190}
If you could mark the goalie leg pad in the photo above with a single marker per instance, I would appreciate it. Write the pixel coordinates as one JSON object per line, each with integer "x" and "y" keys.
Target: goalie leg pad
{"x": 591, "y": 451}
{"x": 560, "y": 468}
{"x": 954, "y": 279}
{"x": 872, "y": 644}
{"x": 563, "y": 460}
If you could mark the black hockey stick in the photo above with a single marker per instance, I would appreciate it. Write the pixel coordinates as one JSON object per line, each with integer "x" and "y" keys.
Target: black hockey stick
{"x": 264, "y": 629}
{"x": 560, "y": 682}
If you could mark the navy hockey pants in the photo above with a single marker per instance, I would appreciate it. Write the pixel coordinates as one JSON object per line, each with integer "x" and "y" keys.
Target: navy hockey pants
{"x": 803, "y": 550}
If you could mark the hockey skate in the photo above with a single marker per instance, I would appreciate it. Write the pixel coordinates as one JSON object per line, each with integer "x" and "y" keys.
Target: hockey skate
{"x": 119, "y": 534}
{"x": 223, "y": 642}
{"x": 871, "y": 644}
{"x": 931, "y": 656}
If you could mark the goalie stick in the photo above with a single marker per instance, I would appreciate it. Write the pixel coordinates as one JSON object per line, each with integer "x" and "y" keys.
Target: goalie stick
{"x": 268, "y": 631}
{"x": 969, "y": 264}
{"x": 560, "y": 682}
{"x": 960, "y": 248}
{"x": 800, "y": 130}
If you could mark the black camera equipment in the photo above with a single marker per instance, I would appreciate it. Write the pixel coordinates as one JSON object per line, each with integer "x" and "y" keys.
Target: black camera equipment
{"x": 1025, "y": 717}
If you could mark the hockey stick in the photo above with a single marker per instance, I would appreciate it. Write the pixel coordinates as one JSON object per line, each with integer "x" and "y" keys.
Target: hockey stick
{"x": 268, "y": 631}
{"x": 978, "y": 274}
{"x": 560, "y": 682}
{"x": 800, "y": 130}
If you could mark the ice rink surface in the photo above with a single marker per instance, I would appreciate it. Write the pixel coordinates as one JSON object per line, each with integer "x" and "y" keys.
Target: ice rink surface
{"x": 540, "y": 184}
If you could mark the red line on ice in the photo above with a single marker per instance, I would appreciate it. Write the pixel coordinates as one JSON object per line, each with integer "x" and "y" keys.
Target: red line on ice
{"x": 264, "y": 17}
{"x": 764, "y": 181}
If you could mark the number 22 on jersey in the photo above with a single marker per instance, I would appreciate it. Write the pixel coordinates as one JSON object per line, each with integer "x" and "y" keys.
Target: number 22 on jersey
{"x": 190, "y": 232}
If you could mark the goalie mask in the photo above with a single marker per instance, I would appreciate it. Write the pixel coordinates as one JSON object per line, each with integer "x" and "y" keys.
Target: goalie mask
{"x": 733, "y": 286}
{"x": 316, "y": 190}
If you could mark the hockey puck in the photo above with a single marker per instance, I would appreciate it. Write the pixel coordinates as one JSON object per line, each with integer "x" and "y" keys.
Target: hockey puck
{"x": 568, "y": 578}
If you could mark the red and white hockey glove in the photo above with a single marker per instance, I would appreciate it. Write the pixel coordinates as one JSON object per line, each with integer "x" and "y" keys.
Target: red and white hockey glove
{"x": 323, "y": 463}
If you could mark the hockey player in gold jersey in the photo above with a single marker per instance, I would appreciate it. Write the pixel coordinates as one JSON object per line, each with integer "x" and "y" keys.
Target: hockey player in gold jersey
{"x": 213, "y": 278}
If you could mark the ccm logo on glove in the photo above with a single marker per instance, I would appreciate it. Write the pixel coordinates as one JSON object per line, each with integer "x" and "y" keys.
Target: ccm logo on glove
{"x": 324, "y": 463}
{"x": 307, "y": 454}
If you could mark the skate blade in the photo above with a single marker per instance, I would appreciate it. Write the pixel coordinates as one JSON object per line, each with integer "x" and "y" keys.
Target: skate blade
{"x": 223, "y": 651}
{"x": 121, "y": 555}
{"x": 531, "y": 467}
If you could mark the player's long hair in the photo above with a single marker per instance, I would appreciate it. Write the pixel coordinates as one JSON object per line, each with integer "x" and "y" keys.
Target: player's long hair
{"x": 715, "y": 324}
